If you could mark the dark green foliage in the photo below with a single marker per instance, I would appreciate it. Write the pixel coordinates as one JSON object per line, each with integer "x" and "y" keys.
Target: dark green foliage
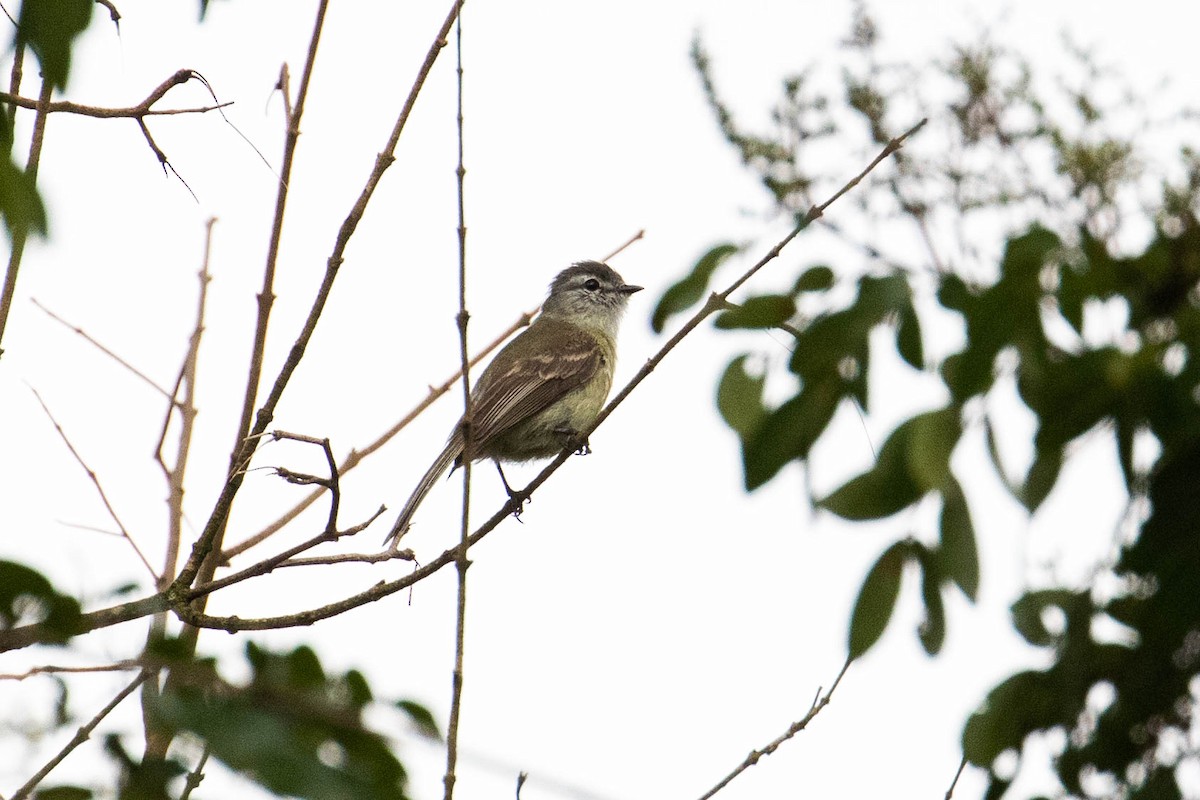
{"x": 26, "y": 597}
{"x": 1002, "y": 150}
{"x": 690, "y": 289}
{"x": 20, "y": 204}
{"x": 48, "y": 27}
{"x": 763, "y": 311}
{"x": 294, "y": 729}
{"x": 877, "y": 599}
{"x": 63, "y": 793}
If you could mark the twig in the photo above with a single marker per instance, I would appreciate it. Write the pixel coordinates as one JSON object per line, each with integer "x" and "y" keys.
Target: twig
{"x": 80, "y": 737}
{"x": 266, "y": 295}
{"x": 196, "y": 775}
{"x": 94, "y": 343}
{"x": 142, "y": 109}
{"x": 957, "y": 774}
{"x": 819, "y": 703}
{"x": 269, "y": 564}
{"x": 332, "y": 483}
{"x": 50, "y": 669}
{"x": 20, "y": 234}
{"x": 113, "y": 14}
{"x": 378, "y": 557}
{"x": 95, "y": 482}
{"x": 209, "y": 541}
{"x": 185, "y": 382}
{"x": 636, "y": 237}
{"x": 461, "y": 562}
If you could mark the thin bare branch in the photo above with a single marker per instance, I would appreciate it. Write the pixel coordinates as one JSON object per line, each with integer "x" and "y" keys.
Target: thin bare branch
{"x": 957, "y": 774}
{"x": 142, "y": 109}
{"x": 80, "y": 737}
{"x": 50, "y": 669}
{"x": 819, "y": 703}
{"x": 461, "y": 562}
{"x": 95, "y": 482}
{"x": 185, "y": 383}
{"x": 636, "y": 237}
{"x": 94, "y": 343}
{"x": 378, "y": 557}
{"x": 210, "y": 538}
{"x": 268, "y": 565}
{"x": 196, "y": 775}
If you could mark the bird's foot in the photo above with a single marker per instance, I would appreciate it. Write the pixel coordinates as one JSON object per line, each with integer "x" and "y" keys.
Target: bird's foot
{"x": 572, "y": 441}
{"x": 516, "y": 500}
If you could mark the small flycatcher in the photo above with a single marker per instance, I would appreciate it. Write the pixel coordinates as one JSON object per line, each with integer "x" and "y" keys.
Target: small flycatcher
{"x": 546, "y": 385}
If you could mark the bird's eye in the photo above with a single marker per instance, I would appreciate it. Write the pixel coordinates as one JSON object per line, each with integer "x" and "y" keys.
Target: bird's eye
{"x": 591, "y": 284}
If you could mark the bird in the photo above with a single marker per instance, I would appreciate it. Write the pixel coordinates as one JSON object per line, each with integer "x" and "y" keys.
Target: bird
{"x": 544, "y": 387}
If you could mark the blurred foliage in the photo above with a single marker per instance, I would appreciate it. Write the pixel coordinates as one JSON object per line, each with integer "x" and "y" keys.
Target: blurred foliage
{"x": 1054, "y": 170}
{"x": 292, "y": 728}
{"x": 47, "y": 28}
{"x": 28, "y": 598}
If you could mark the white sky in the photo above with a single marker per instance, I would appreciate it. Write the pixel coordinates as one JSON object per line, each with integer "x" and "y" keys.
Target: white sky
{"x": 649, "y": 623}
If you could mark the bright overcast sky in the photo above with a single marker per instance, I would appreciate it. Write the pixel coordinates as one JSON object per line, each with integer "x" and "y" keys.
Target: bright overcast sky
{"x": 648, "y": 624}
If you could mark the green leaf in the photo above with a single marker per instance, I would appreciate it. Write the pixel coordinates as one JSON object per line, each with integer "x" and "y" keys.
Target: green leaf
{"x": 1040, "y": 480}
{"x": 814, "y": 279}
{"x": 989, "y": 432}
{"x": 688, "y": 291}
{"x": 739, "y": 398}
{"x": 49, "y": 26}
{"x": 908, "y": 337}
{"x": 28, "y": 598}
{"x": 932, "y": 630}
{"x": 789, "y": 431}
{"x": 957, "y": 552}
{"x": 63, "y": 793}
{"x": 1022, "y": 704}
{"x": 20, "y": 204}
{"x": 421, "y": 718}
{"x": 877, "y": 599}
{"x": 934, "y": 436}
{"x": 1125, "y": 432}
{"x": 915, "y": 459}
{"x": 756, "y": 313}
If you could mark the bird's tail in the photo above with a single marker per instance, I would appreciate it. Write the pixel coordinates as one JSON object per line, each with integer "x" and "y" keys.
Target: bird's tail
{"x": 439, "y": 466}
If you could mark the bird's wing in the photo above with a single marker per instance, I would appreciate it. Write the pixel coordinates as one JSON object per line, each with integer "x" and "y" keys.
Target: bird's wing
{"x": 534, "y": 380}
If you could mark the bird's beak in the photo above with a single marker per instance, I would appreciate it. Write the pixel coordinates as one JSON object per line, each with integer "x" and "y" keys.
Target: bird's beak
{"x": 627, "y": 288}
